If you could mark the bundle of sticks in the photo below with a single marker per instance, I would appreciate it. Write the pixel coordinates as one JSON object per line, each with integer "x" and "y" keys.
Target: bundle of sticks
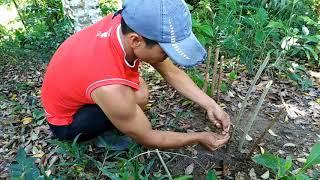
{"x": 214, "y": 74}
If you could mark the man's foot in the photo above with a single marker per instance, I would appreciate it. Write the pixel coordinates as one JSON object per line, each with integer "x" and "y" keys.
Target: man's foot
{"x": 113, "y": 141}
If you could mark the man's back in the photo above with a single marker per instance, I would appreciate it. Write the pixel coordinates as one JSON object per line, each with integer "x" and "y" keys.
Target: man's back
{"x": 87, "y": 60}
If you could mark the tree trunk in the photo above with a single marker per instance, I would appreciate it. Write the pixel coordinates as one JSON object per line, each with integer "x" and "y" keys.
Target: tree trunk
{"x": 82, "y": 12}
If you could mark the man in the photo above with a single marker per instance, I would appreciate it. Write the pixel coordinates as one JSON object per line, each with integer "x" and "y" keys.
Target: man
{"x": 92, "y": 83}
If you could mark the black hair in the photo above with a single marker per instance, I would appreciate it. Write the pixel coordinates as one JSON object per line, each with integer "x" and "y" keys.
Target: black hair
{"x": 126, "y": 30}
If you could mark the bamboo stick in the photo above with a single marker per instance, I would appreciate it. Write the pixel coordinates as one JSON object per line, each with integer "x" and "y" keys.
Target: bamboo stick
{"x": 164, "y": 164}
{"x": 214, "y": 70}
{"x": 220, "y": 79}
{"x": 245, "y": 101}
{"x": 205, "y": 86}
{"x": 253, "y": 117}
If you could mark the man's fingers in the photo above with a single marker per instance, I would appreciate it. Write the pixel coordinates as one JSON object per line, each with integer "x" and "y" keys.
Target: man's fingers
{"x": 222, "y": 140}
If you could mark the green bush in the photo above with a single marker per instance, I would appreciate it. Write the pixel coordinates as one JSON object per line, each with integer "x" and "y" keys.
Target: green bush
{"x": 282, "y": 168}
{"x": 289, "y": 29}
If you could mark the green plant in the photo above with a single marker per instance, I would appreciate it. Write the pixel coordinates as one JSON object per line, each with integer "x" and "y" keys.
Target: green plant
{"x": 44, "y": 28}
{"x": 250, "y": 29}
{"x": 25, "y": 167}
{"x": 108, "y": 6}
{"x": 74, "y": 161}
{"x": 282, "y": 168}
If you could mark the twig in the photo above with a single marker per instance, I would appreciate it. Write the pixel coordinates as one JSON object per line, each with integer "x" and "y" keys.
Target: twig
{"x": 245, "y": 101}
{"x": 257, "y": 141}
{"x": 214, "y": 70}
{"x": 256, "y": 111}
{"x": 205, "y": 86}
{"x": 220, "y": 79}
{"x": 164, "y": 164}
{"x": 153, "y": 151}
{"x": 9, "y": 143}
{"x": 104, "y": 161}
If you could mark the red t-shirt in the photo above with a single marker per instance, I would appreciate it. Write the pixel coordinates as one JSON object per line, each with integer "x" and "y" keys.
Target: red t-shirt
{"x": 89, "y": 59}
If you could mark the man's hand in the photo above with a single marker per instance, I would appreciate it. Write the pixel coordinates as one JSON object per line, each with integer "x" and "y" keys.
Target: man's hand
{"x": 213, "y": 141}
{"x": 219, "y": 117}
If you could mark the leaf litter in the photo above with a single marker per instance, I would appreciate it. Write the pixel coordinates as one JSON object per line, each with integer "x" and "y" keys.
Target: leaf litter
{"x": 21, "y": 126}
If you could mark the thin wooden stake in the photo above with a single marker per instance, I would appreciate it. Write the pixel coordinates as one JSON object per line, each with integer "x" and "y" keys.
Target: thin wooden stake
{"x": 257, "y": 141}
{"x": 253, "y": 83}
{"x": 253, "y": 117}
{"x": 214, "y": 70}
{"x": 164, "y": 164}
{"x": 220, "y": 79}
{"x": 205, "y": 86}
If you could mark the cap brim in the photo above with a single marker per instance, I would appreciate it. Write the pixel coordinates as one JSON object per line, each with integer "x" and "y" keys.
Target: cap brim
{"x": 188, "y": 52}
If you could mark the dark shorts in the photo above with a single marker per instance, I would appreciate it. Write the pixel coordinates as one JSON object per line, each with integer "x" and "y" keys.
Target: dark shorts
{"x": 89, "y": 120}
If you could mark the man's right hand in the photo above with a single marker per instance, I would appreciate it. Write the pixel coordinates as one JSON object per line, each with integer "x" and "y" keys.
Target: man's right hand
{"x": 213, "y": 141}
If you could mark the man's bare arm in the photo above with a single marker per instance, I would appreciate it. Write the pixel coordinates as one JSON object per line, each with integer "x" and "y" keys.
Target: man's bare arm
{"x": 182, "y": 83}
{"x": 118, "y": 103}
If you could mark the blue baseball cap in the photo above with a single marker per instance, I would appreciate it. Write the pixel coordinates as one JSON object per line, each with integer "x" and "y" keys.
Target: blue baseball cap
{"x": 167, "y": 22}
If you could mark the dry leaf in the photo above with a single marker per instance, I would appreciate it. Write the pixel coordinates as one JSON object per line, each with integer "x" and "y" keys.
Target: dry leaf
{"x": 302, "y": 160}
{"x": 261, "y": 150}
{"x": 272, "y": 133}
{"x": 265, "y": 175}
{"x": 289, "y": 145}
{"x": 189, "y": 169}
{"x": 252, "y": 174}
{"x": 248, "y": 138}
{"x": 26, "y": 120}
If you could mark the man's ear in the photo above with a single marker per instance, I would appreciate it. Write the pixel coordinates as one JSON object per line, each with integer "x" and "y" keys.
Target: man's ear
{"x": 135, "y": 40}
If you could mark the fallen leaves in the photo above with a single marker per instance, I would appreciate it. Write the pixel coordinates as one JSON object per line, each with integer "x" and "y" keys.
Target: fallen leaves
{"x": 189, "y": 169}
{"x": 26, "y": 120}
{"x": 272, "y": 133}
{"x": 289, "y": 145}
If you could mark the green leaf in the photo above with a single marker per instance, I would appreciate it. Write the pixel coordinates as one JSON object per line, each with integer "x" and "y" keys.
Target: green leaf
{"x": 262, "y": 16}
{"x": 211, "y": 175}
{"x": 314, "y": 54}
{"x": 276, "y": 24}
{"x": 207, "y": 29}
{"x": 259, "y": 37}
{"x": 233, "y": 75}
{"x": 284, "y": 166}
{"x": 302, "y": 176}
{"x": 185, "y": 177}
{"x": 110, "y": 175}
{"x": 268, "y": 160}
{"x": 288, "y": 163}
{"x": 314, "y": 157}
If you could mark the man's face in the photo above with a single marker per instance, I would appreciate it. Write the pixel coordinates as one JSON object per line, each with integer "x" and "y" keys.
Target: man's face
{"x": 150, "y": 54}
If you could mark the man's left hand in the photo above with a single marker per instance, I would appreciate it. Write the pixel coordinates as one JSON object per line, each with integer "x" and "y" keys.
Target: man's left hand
{"x": 219, "y": 117}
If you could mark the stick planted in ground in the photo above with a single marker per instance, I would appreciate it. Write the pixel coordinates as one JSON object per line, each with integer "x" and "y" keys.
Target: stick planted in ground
{"x": 253, "y": 117}
{"x": 220, "y": 79}
{"x": 205, "y": 86}
{"x": 214, "y": 70}
{"x": 253, "y": 83}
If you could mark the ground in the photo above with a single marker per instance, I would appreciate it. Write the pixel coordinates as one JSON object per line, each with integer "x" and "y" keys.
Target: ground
{"x": 295, "y": 131}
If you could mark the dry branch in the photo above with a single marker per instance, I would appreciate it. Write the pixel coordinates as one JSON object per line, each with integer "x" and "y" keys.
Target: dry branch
{"x": 253, "y": 117}
{"x": 214, "y": 70}
{"x": 205, "y": 86}
{"x": 220, "y": 78}
{"x": 257, "y": 141}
